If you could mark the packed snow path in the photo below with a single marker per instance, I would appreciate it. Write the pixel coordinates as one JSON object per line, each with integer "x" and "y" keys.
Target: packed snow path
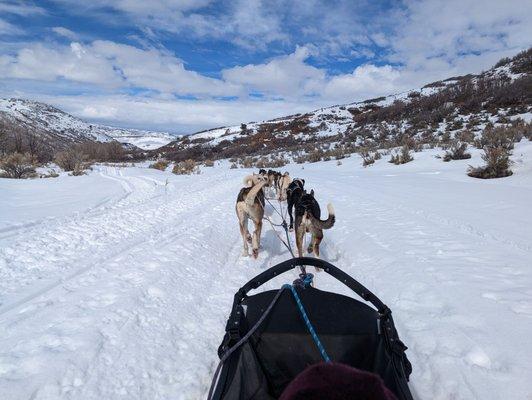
{"x": 118, "y": 284}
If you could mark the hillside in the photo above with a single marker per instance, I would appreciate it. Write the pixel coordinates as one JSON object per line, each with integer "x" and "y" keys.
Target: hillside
{"x": 429, "y": 115}
{"x": 60, "y": 129}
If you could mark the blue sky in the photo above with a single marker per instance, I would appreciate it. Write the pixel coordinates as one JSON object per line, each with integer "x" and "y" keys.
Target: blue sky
{"x": 186, "y": 65}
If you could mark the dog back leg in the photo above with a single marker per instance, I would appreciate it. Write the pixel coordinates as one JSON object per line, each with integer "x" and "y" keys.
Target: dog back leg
{"x": 243, "y": 224}
{"x": 256, "y": 237}
{"x": 290, "y": 209}
{"x": 300, "y": 235}
{"x": 317, "y": 237}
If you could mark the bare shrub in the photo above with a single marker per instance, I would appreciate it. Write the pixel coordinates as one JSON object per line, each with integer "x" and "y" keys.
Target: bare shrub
{"x": 502, "y": 62}
{"x": 497, "y": 164}
{"x": 103, "y": 152}
{"x": 300, "y": 159}
{"x": 262, "y": 162}
{"x": 465, "y": 136}
{"x": 114, "y": 151}
{"x": 497, "y": 143}
{"x": 338, "y": 153}
{"x": 71, "y": 160}
{"x": 17, "y": 166}
{"x": 247, "y": 162}
{"x": 402, "y": 157}
{"x": 278, "y": 162}
{"x": 161, "y": 165}
{"x": 272, "y": 162}
{"x": 457, "y": 151}
{"x": 79, "y": 170}
{"x": 186, "y": 167}
{"x": 501, "y": 136}
{"x": 314, "y": 156}
{"x": 367, "y": 158}
{"x": 233, "y": 166}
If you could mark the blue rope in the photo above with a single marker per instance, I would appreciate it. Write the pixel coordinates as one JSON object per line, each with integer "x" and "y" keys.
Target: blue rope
{"x": 310, "y": 328}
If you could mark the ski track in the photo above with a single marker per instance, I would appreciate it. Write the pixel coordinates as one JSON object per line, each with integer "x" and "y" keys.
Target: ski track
{"x": 129, "y": 298}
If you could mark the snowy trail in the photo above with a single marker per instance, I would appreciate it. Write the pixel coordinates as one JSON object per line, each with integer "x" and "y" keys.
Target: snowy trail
{"x": 127, "y": 296}
{"x": 122, "y": 298}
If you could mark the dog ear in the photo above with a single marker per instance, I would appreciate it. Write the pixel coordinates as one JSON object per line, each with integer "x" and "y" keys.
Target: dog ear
{"x": 312, "y": 192}
{"x": 302, "y": 180}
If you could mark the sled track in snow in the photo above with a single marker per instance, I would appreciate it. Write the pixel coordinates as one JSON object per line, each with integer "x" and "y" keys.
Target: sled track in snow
{"x": 88, "y": 228}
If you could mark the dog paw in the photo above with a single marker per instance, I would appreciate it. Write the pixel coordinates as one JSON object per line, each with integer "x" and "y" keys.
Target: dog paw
{"x": 255, "y": 253}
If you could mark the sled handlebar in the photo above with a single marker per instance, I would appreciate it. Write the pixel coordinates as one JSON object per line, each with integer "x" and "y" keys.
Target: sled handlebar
{"x": 335, "y": 272}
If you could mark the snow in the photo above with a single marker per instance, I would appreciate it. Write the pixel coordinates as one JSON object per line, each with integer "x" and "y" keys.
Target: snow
{"x": 144, "y": 139}
{"x": 118, "y": 284}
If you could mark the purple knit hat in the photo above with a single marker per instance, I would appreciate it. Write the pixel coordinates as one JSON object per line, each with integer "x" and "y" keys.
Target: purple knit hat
{"x": 335, "y": 381}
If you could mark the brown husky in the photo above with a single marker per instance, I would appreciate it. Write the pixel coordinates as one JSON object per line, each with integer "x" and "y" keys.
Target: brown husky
{"x": 250, "y": 205}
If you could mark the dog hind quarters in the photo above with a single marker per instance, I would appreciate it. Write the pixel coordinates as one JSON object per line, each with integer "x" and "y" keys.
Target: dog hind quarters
{"x": 327, "y": 223}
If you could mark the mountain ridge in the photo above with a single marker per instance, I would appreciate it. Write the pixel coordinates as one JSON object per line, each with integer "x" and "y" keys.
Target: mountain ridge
{"x": 64, "y": 129}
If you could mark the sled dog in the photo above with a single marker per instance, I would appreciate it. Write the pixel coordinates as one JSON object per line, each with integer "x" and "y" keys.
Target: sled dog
{"x": 281, "y": 187}
{"x": 294, "y": 191}
{"x": 308, "y": 220}
{"x": 250, "y": 205}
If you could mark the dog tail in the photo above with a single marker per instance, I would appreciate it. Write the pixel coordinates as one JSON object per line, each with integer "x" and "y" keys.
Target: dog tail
{"x": 248, "y": 181}
{"x": 250, "y": 198}
{"x": 329, "y": 222}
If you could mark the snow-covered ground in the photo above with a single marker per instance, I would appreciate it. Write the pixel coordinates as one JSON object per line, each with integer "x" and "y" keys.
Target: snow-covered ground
{"x": 117, "y": 285}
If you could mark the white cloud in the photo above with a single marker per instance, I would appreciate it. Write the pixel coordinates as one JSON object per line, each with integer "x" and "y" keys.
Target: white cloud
{"x": 405, "y": 47}
{"x": 158, "y": 70}
{"x": 18, "y": 9}
{"x": 72, "y": 62}
{"x": 22, "y": 8}
{"x": 179, "y": 116}
{"x": 452, "y": 30}
{"x": 252, "y": 24}
{"x": 287, "y": 76}
{"x": 364, "y": 82}
{"x": 7, "y": 28}
{"x": 112, "y": 65}
{"x": 65, "y": 32}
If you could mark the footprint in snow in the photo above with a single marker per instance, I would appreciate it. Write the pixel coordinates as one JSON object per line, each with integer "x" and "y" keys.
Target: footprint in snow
{"x": 479, "y": 358}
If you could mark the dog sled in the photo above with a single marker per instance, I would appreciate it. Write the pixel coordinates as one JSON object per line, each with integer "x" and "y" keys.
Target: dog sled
{"x": 273, "y": 336}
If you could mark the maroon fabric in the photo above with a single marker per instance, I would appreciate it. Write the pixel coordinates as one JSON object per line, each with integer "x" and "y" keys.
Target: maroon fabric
{"x": 336, "y": 381}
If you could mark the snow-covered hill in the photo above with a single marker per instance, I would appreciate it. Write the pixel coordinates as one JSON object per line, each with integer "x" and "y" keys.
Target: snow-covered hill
{"x": 117, "y": 284}
{"x": 64, "y": 128}
{"x": 500, "y": 94}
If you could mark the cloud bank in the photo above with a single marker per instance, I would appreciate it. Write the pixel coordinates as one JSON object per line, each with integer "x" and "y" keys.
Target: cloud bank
{"x": 283, "y": 58}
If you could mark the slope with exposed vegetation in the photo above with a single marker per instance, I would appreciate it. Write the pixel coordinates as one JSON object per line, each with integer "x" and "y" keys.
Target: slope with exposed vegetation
{"x": 439, "y": 114}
